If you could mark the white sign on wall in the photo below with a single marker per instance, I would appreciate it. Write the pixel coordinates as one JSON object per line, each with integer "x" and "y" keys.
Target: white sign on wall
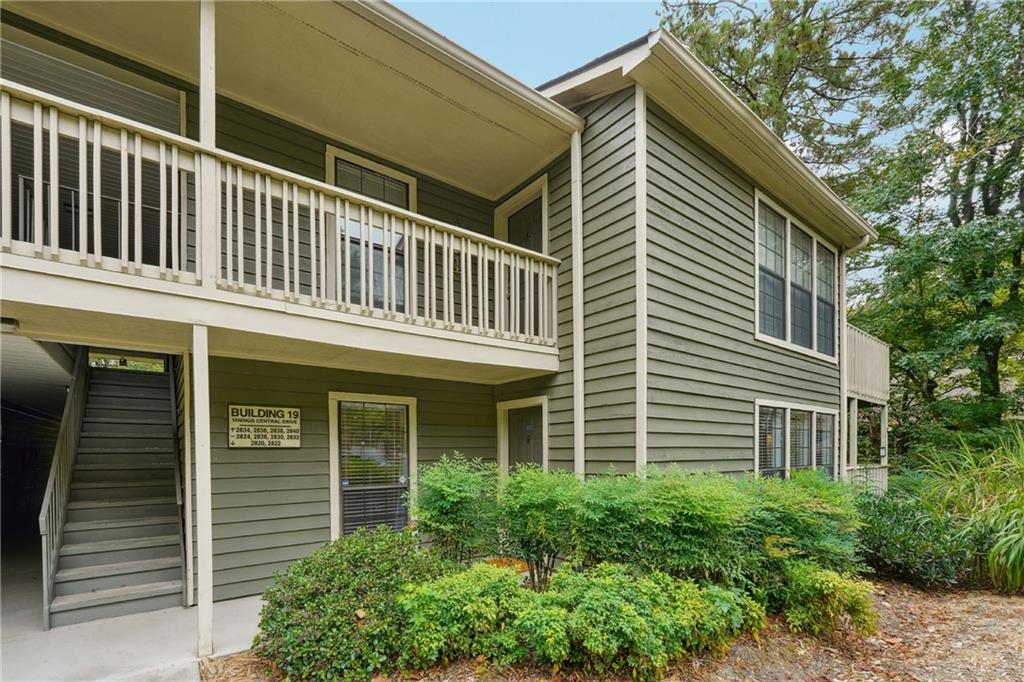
{"x": 260, "y": 426}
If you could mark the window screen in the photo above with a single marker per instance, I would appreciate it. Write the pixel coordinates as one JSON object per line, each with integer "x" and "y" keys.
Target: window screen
{"x": 374, "y": 451}
{"x": 826, "y": 301}
{"x": 800, "y": 288}
{"x": 772, "y": 273}
{"x": 799, "y": 439}
{"x": 824, "y": 442}
{"x": 771, "y": 441}
{"x": 373, "y": 184}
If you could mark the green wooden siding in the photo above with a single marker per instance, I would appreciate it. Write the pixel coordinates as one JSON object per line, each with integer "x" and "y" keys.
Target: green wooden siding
{"x": 609, "y": 282}
{"x": 705, "y": 366}
{"x": 271, "y": 507}
{"x": 557, "y": 387}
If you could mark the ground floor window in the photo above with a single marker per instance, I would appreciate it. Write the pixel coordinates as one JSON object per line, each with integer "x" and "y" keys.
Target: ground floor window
{"x": 374, "y": 439}
{"x": 791, "y": 436}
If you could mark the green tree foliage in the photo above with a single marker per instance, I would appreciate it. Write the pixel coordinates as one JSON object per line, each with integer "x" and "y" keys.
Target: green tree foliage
{"x": 949, "y": 193}
{"x": 811, "y": 70}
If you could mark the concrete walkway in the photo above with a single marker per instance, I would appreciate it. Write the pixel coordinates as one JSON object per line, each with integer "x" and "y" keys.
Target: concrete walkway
{"x": 154, "y": 647}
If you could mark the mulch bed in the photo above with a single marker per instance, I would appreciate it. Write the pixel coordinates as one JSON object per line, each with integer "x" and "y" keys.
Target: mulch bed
{"x": 923, "y": 635}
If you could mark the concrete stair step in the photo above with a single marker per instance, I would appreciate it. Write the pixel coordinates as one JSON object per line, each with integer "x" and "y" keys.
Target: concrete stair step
{"x": 119, "y": 601}
{"x": 111, "y": 576}
{"x": 77, "y": 555}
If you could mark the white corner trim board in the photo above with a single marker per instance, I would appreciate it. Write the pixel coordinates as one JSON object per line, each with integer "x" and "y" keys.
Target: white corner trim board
{"x": 503, "y": 410}
{"x": 578, "y": 419}
{"x": 640, "y": 145}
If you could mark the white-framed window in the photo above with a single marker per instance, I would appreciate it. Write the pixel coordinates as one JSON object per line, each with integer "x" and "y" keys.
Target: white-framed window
{"x": 795, "y": 283}
{"x": 523, "y": 432}
{"x": 522, "y": 219}
{"x": 791, "y": 436}
{"x": 373, "y": 460}
{"x": 369, "y": 178}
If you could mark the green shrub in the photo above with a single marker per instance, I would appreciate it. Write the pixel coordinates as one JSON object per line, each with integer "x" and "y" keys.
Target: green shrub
{"x": 820, "y": 601}
{"x": 903, "y": 537}
{"x": 333, "y": 615}
{"x": 539, "y": 517}
{"x": 806, "y": 517}
{"x": 617, "y": 619}
{"x": 683, "y": 524}
{"x": 456, "y": 506}
{"x": 463, "y": 615}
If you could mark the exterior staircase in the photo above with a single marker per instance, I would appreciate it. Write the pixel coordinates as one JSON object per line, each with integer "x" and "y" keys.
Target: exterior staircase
{"x": 121, "y": 547}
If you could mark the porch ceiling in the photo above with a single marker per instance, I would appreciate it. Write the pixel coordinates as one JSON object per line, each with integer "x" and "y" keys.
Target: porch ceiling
{"x": 365, "y": 74}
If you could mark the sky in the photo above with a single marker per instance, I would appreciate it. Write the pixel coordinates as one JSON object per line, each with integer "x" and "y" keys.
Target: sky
{"x": 536, "y": 41}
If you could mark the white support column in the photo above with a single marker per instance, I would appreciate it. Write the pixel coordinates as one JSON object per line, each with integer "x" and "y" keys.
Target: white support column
{"x": 208, "y": 221}
{"x": 840, "y": 464}
{"x": 576, "y": 198}
{"x": 204, "y": 503}
{"x": 640, "y": 240}
{"x": 884, "y": 432}
{"x": 852, "y": 435}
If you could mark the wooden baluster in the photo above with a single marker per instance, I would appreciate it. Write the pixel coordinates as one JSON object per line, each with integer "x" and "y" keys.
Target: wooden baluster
{"x": 285, "y": 267}
{"x": 83, "y": 190}
{"x": 240, "y": 225}
{"x": 257, "y": 231}
{"x": 163, "y": 209}
{"x": 363, "y": 266}
{"x": 176, "y": 214}
{"x": 296, "y": 275}
{"x": 268, "y": 199}
{"x": 485, "y": 286}
{"x": 229, "y": 233}
{"x": 406, "y": 239}
{"x": 347, "y": 245}
{"x": 123, "y": 245}
{"x": 6, "y": 202}
{"x": 37, "y": 177}
{"x": 312, "y": 246}
{"x": 429, "y": 280}
{"x": 446, "y": 277}
{"x": 323, "y": 247}
{"x": 137, "y": 260}
{"x": 54, "y": 206}
{"x": 385, "y": 265}
{"x": 97, "y": 213}
{"x": 469, "y": 281}
{"x": 413, "y": 304}
{"x": 339, "y": 293}
{"x": 392, "y": 245}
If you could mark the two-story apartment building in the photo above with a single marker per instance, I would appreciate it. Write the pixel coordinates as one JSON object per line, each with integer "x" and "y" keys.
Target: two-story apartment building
{"x": 342, "y": 245}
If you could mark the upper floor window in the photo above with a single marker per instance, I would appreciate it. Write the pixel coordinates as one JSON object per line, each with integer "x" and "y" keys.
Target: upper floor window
{"x": 369, "y": 178}
{"x": 796, "y": 283}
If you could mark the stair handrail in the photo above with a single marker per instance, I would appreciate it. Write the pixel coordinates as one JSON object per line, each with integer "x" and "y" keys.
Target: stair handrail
{"x": 58, "y": 483}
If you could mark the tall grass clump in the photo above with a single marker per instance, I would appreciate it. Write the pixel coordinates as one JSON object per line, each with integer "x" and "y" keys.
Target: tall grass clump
{"x": 984, "y": 491}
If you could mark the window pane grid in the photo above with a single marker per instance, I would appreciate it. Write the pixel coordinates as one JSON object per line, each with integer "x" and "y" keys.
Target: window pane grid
{"x": 799, "y": 439}
{"x": 824, "y": 443}
{"x": 806, "y": 438}
{"x": 374, "y": 458}
{"x": 772, "y": 441}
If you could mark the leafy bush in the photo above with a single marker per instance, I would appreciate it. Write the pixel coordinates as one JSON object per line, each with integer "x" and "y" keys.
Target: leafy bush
{"x": 539, "y": 516}
{"x": 610, "y": 619}
{"x": 818, "y": 600}
{"x": 806, "y": 517}
{"x": 466, "y": 614}
{"x": 456, "y": 506}
{"x": 333, "y": 615}
{"x": 683, "y": 524}
{"x": 904, "y": 537}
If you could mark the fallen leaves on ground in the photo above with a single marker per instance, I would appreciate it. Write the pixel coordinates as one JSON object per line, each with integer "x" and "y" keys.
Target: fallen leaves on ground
{"x": 922, "y": 636}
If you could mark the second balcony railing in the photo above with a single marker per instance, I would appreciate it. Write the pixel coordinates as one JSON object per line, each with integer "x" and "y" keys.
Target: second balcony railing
{"x": 118, "y": 195}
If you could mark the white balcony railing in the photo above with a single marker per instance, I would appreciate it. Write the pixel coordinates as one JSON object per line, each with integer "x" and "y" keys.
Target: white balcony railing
{"x": 868, "y": 366}
{"x": 123, "y": 196}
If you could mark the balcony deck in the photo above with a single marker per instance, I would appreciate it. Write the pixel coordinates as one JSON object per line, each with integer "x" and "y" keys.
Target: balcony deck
{"x": 163, "y": 214}
{"x": 868, "y": 368}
